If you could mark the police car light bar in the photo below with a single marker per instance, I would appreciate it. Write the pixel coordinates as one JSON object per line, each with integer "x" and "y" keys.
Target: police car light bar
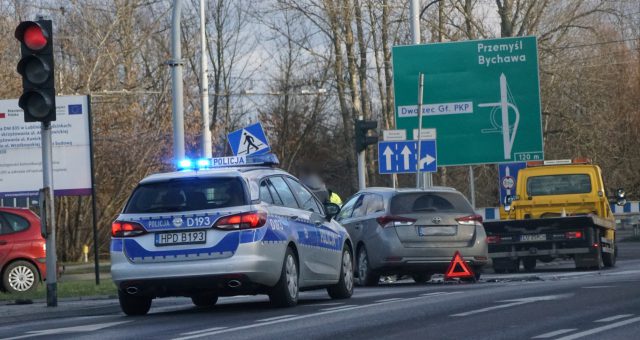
{"x": 233, "y": 161}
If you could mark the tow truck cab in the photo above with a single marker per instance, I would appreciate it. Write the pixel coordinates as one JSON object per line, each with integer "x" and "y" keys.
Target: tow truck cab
{"x": 560, "y": 210}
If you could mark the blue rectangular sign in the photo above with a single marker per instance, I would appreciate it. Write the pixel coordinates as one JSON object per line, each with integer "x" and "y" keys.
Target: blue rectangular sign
{"x": 402, "y": 157}
{"x": 508, "y": 173}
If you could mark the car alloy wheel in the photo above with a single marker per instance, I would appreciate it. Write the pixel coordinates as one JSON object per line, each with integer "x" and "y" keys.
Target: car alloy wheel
{"x": 21, "y": 278}
{"x": 292, "y": 276}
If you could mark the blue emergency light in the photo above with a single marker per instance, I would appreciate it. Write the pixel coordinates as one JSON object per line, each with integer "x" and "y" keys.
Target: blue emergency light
{"x": 267, "y": 159}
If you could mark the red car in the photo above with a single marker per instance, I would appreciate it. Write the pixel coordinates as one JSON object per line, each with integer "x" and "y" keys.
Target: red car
{"x": 22, "y": 250}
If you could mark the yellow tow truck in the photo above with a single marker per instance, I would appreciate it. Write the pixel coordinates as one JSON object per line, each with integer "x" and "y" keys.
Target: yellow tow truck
{"x": 560, "y": 210}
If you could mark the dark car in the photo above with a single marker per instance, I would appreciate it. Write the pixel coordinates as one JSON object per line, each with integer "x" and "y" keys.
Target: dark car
{"x": 412, "y": 232}
{"x": 22, "y": 250}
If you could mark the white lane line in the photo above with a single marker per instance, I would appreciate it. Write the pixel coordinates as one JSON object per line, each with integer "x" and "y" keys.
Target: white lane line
{"x": 554, "y": 333}
{"x": 390, "y": 299}
{"x": 338, "y": 308}
{"x": 204, "y": 330}
{"x": 514, "y": 302}
{"x": 599, "y": 329}
{"x": 300, "y": 317}
{"x": 276, "y": 317}
{"x": 439, "y": 293}
{"x": 596, "y": 287}
{"x": 327, "y": 304}
{"x": 614, "y": 318}
{"x": 482, "y": 310}
{"x": 66, "y": 330}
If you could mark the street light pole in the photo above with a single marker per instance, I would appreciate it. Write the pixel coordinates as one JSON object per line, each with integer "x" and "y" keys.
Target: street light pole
{"x": 176, "y": 65}
{"x": 204, "y": 87}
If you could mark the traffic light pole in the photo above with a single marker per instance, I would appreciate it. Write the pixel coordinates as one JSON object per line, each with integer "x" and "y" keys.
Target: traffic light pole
{"x": 50, "y": 218}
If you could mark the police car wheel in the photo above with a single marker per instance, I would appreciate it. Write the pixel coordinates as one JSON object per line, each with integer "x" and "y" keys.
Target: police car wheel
{"x": 204, "y": 300}
{"x": 344, "y": 288}
{"x": 366, "y": 276}
{"x": 134, "y": 305}
{"x": 285, "y": 292}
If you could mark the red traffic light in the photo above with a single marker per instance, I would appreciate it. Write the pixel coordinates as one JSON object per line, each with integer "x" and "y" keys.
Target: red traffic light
{"x": 32, "y": 35}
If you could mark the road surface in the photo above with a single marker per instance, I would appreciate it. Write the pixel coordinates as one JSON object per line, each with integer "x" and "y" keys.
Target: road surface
{"x": 557, "y": 302}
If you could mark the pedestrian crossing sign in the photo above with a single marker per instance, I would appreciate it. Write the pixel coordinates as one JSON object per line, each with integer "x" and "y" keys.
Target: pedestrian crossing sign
{"x": 249, "y": 140}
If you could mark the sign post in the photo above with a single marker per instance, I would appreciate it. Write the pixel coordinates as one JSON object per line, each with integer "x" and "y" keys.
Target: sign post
{"x": 483, "y": 99}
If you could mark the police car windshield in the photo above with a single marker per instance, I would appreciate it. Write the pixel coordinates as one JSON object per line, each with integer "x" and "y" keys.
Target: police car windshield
{"x": 186, "y": 194}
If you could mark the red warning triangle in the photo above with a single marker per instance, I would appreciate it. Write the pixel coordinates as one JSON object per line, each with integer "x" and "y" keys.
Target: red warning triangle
{"x": 458, "y": 268}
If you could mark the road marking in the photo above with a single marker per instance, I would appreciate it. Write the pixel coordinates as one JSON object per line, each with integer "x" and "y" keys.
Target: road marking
{"x": 597, "y": 287}
{"x": 599, "y": 329}
{"x": 327, "y": 304}
{"x": 276, "y": 317}
{"x": 204, "y": 330}
{"x": 339, "y": 307}
{"x": 439, "y": 293}
{"x": 554, "y": 333}
{"x": 390, "y": 299}
{"x": 513, "y": 303}
{"x": 73, "y": 329}
{"x": 300, "y": 317}
{"x": 614, "y": 318}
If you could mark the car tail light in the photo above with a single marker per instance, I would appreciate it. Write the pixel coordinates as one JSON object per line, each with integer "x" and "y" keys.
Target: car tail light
{"x": 493, "y": 239}
{"x": 573, "y": 234}
{"x": 469, "y": 220}
{"x": 248, "y": 220}
{"x": 126, "y": 229}
{"x": 395, "y": 221}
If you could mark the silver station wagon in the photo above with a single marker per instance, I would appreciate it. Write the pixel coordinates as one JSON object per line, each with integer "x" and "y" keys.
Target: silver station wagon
{"x": 412, "y": 232}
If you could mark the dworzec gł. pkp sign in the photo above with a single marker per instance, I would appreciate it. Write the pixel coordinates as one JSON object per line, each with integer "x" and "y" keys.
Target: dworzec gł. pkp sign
{"x": 481, "y": 96}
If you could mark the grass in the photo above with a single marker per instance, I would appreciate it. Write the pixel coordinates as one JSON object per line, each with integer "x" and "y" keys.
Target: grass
{"x": 66, "y": 290}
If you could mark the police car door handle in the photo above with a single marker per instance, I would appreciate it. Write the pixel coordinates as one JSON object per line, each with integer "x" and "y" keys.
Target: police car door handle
{"x": 357, "y": 226}
{"x": 292, "y": 217}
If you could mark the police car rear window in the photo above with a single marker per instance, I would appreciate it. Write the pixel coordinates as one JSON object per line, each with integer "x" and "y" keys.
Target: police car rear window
{"x": 187, "y": 194}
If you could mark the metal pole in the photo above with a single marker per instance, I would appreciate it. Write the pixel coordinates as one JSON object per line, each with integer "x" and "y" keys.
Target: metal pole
{"x": 415, "y": 21}
{"x": 47, "y": 184}
{"x": 420, "y": 88}
{"x": 472, "y": 187}
{"x": 204, "y": 79}
{"x": 362, "y": 184}
{"x": 176, "y": 64}
{"x": 94, "y": 197}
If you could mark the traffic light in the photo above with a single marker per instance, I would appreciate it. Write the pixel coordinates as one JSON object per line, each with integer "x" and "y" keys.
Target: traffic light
{"x": 362, "y": 129}
{"x": 38, "y": 99}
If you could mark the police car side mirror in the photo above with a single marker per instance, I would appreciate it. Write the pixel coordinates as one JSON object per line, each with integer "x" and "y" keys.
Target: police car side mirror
{"x": 331, "y": 210}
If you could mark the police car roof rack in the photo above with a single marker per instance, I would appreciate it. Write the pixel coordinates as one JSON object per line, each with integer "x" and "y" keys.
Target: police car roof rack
{"x": 267, "y": 159}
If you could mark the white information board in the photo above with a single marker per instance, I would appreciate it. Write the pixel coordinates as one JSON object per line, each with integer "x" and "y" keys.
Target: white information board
{"x": 21, "y": 153}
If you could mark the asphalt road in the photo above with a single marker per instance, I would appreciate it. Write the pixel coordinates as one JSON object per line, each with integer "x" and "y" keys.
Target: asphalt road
{"x": 557, "y": 302}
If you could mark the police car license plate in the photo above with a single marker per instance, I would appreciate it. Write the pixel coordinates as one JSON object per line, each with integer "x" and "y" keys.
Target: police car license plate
{"x": 183, "y": 237}
{"x": 533, "y": 237}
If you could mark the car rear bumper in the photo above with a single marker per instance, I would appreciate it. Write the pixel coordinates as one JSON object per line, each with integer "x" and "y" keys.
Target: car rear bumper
{"x": 252, "y": 263}
{"x": 386, "y": 252}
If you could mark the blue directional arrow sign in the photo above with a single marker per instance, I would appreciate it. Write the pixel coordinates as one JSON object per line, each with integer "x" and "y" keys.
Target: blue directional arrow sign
{"x": 402, "y": 157}
{"x": 249, "y": 141}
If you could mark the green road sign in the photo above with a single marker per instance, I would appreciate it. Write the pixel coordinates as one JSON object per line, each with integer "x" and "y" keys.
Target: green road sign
{"x": 481, "y": 96}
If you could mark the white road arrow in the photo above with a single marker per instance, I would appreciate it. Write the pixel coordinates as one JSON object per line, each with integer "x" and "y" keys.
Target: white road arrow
{"x": 406, "y": 152}
{"x": 427, "y": 160}
{"x": 387, "y": 153}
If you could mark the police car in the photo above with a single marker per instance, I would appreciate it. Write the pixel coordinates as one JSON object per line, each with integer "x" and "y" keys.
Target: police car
{"x": 227, "y": 226}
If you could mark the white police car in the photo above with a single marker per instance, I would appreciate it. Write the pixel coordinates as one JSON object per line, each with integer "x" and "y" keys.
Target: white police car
{"x": 241, "y": 228}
